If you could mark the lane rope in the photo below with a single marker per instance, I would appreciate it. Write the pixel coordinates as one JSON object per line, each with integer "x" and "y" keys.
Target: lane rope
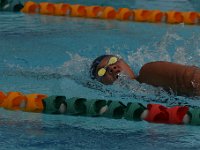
{"x": 108, "y": 12}
{"x": 76, "y": 106}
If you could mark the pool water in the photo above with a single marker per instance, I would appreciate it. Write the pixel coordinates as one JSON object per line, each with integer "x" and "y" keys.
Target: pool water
{"x": 52, "y": 55}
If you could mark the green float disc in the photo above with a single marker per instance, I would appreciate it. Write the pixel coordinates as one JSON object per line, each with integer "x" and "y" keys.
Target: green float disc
{"x": 93, "y": 107}
{"x": 52, "y": 104}
{"x": 194, "y": 116}
{"x": 134, "y": 111}
{"x": 76, "y": 106}
{"x": 115, "y": 109}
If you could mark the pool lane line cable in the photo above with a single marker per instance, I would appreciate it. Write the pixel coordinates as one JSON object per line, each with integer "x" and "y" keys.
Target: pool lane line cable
{"x": 114, "y": 109}
{"x": 110, "y": 13}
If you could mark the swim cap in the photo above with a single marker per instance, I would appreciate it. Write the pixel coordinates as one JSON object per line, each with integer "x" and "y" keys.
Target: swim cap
{"x": 94, "y": 65}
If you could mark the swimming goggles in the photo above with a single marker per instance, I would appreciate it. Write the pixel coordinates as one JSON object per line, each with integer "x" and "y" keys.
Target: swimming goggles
{"x": 111, "y": 61}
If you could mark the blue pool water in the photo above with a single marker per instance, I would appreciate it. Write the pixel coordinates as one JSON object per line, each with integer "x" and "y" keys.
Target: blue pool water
{"x": 52, "y": 54}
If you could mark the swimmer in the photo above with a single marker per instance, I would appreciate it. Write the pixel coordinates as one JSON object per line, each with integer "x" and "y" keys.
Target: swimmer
{"x": 10, "y": 5}
{"x": 183, "y": 80}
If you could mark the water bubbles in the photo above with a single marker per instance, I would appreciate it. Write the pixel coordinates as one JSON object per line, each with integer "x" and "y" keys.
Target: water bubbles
{"x": 180, "y": 55}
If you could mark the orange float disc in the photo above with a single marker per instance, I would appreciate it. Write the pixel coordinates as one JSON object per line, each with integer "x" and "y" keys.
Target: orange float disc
{"x": 108, "y": 13}
{"x": 124, "y": 14}
{"x": 34, "y": 103}
{"x": 62, "y": 9}
{"x": 190, "y": 17}
{"x": 94, "y": 11}
{"x": 141, "y": 15}
{"x": 47, "y": 8}
{"x": 13, "y": 101}
{"x": 155, "y": 16}
{"x": 78, "y": 10}
{"x": 174, "y": 17}
{"x": 30, "y": 7}
{"x": 2, "y": 97}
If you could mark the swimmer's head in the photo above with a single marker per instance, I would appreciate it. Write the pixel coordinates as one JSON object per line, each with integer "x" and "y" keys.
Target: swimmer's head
{"x": 107, "y": 68}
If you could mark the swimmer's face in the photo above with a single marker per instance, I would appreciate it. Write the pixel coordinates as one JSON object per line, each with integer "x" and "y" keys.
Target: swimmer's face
{"x": 111, "y": 71}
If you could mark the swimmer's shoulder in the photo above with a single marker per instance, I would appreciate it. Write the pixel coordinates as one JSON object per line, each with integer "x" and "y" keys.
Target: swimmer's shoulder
{"x": 157, "y": 64}
{"x": 166, "y": 66}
